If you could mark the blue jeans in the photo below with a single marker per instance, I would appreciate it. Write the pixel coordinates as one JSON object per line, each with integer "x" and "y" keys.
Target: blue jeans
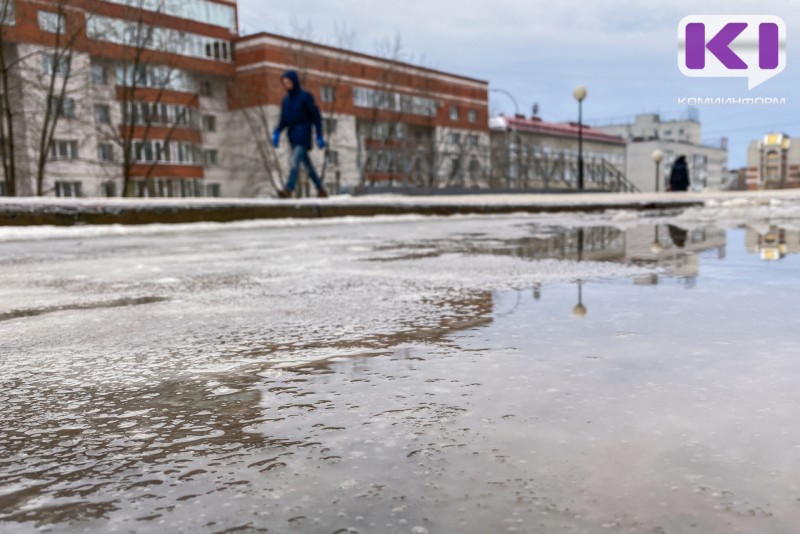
{"x": 300, "y": 156}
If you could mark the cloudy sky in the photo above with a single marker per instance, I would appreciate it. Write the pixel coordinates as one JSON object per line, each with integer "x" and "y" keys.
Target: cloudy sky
{"x": 623, "y": 51}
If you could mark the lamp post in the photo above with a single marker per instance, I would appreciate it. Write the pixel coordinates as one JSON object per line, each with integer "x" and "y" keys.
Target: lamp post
{"x": 658, "y": 156}
{"x": 580, "y": 94}
{"x": 513, "y": 134}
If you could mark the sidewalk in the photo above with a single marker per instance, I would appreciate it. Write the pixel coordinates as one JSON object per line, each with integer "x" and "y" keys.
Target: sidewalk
{"x": 68, "y": 212}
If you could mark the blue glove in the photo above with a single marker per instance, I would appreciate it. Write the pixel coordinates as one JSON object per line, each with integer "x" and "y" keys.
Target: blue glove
{"x": 276, "y": 139}
{"x": 321, "y": 142}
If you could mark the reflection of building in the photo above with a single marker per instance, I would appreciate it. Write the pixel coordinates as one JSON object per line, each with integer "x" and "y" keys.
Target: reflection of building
{"x": 773, "y": 163}
{"x": 533, "y": 154}
{"x": 672, "y": 248}
{"x": 772, "y": 243}
{"x": 600, "y": 243}
{"x": 707, "y": 162}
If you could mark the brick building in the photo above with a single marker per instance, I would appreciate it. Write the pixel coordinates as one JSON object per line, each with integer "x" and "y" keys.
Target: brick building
{"x": 106, "y": 95}
{"x": 166, "y": 99}
{"x": 388, "y": 123}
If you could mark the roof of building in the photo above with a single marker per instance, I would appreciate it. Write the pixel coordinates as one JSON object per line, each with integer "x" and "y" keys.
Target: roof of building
{"x": 558, "y": 129}
{"x": 291, "y": 40}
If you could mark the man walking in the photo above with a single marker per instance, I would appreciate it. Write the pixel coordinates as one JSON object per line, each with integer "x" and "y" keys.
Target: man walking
{"x": 299, "y": 112}
{"x": 679, "y": 178}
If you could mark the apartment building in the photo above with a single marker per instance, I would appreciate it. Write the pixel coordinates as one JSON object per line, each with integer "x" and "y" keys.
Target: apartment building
{"x": 116, "y": 95}
{"x": 708, "y": 162}
{"x": 164, "y": 98}
{"x": 388, "y": 123}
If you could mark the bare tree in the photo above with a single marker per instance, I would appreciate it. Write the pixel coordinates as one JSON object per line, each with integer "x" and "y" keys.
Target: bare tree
{"x": 144, "y": 122}
{"x": 8, "y": 64}
{"x": 52, "y": 85}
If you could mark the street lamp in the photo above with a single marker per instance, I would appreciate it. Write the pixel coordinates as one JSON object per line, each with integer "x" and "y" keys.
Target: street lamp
{"x": 509, "y": 95}
{"x": 513, "y": 147}
{"x": 658, "y": 156}
{"x": 580, "y": 94}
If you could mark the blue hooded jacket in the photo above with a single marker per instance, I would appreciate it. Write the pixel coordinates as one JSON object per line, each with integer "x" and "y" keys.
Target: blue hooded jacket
{"x": 299, "y": 112}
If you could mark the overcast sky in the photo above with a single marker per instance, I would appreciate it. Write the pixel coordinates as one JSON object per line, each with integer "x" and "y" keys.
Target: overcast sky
{"x": 623, "y": 51}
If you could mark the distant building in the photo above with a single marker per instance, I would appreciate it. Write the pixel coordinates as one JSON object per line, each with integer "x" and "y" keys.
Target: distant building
{"x": 708, "y": 163}
{"x": 529, "y": 153}
{"x": 773, "y": 163}
{"x": 388, "y": 123}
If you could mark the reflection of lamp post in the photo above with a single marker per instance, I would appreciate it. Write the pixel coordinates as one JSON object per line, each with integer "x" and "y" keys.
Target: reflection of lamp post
{"x": 580, "y": 310}
{"x": 656, "y": 247}
{"x": 580, "y": 94}
{"x": 658, "y": 156}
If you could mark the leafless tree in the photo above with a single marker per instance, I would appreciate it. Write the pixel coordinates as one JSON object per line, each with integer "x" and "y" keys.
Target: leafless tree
{"x": 144, "y": 121}
{"x": 52, "y": 85}
{"x": 8, "y": 142}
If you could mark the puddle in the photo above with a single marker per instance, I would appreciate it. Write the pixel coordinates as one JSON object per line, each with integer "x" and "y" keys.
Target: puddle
{"x": 496, "y": 375}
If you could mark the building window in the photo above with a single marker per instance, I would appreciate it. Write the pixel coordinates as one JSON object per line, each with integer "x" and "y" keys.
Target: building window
{"x": 454, "y": 113}
{"x": 68, "y": 189}
{"x": 330, "y": 126}
{"x": 213, "y": 190}
{"x": 206, "y": 88}
{"x": 109, "y": 189}
{"x": 134, "y": 34}
{"x": 102, "y": 114}
{"x": 155, "y": 77}
{"x": 328, "y": 94}
{"x": 64, "y": 150}
{"x": 105, "y": 153}
{"x": 7, "y": 12}
{"x": 210, "y": 123}
{"x": 472, "y": 116}
{"x": 51, "y": 22}
{"x": 212, "y": 158}
{"x": 99, "y": 76}
{"x": 63, "y": 107}
{"x": 374, "y": 99}
{"x": 52, "y": 64}
{"x": 455, "y": 138}
{"x": 205, "y": 11}
{"x": 333, "y": 157}
{"x": 472, "y": 141}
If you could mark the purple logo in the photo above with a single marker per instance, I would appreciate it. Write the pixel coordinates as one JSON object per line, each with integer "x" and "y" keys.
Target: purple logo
{"x": 747, "y": 46}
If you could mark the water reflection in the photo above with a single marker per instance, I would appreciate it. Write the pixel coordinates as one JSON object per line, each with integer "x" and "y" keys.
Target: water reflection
{"x": 772, "y": 242}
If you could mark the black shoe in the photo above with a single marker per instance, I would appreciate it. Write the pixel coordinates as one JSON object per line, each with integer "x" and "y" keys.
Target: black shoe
{"x": 322, "y": 193}
{"x": 284, "y": 194}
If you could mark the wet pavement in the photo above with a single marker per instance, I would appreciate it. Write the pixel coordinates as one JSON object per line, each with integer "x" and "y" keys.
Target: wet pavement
{"x": 505, "y": 374}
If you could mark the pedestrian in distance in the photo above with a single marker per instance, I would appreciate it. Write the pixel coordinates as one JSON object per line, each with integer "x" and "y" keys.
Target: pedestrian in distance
{"x": 679, "y": 179}
{"x": 299, "y": 114}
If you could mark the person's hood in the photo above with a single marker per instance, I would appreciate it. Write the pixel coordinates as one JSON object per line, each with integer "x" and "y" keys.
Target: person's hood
{"x": 292, "y": 75}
